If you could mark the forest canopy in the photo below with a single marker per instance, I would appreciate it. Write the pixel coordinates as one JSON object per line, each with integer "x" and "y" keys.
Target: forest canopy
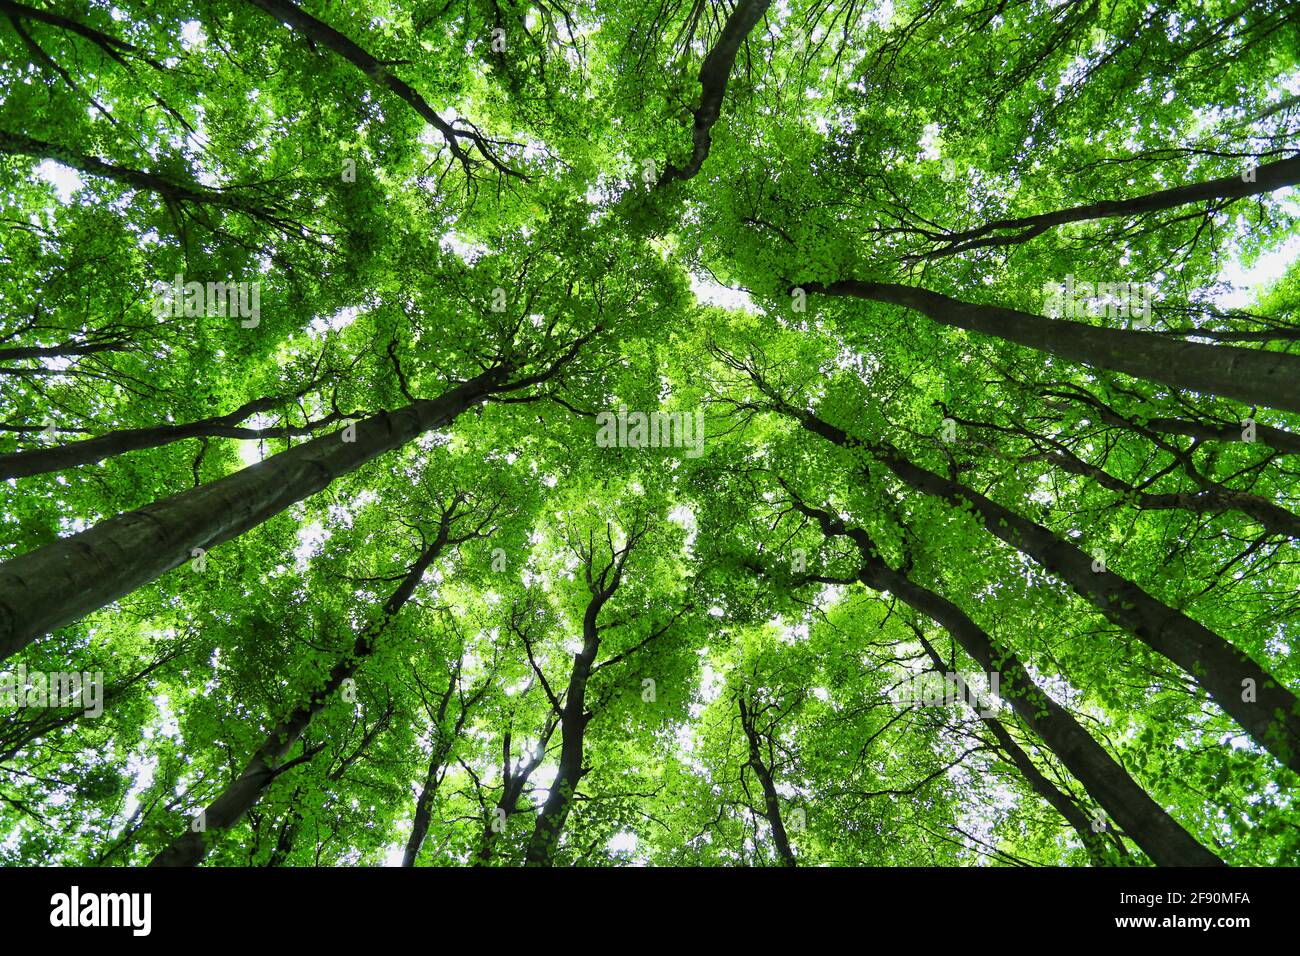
{"x": 710, "y": 433}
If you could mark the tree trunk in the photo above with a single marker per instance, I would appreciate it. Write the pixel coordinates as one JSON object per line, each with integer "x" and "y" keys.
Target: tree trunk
{"x": 545, "y": 838}
{"x": 1211, "y": 498}
{"x": 260, "y": 772}
{"x": 513, "y": 782}
{"x": 424, "y": 809}
{"x": 715, "y": 72}
{"x": 378, "y": 72}
{"x": 1280, "y": 440}
{"x": 507, "y": 806}
{"x": 24, "y": 464}
{"x": 1256, "y": 376}
{"x": 1268, "y": 177}
{"x": 1070, "y": 811}
{"x": 1272, "y": 719}
{"x": 16, "y": 144}
{"x": 60, "y": 351}
{"x": 288, "y": 833}
{"x": 771, "y": 800}
{"x": 68, "y": 578}
{"x": 1159, "y": 835}
{"x": 433, "y": 779}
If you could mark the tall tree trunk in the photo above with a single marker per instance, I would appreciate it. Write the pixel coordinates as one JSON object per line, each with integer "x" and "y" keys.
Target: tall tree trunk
{"x": 433, "y": 778}
{"x": 1211, "y": 498}
{"x": 288, "y": 834}
{"x": 1071, "y": 812}
{"x": 771, "y": 800}
{"x": 265, "y": 765}
{"x": 68, "y": 578}
{"x": 513, "y": 781}
{"x": 15, "y": 144}
{"x": 507, "y": 806}
{"x": 1272, "y": 719}
{"x": 424, "y": 808}
{"x": 24, "y": 464}
{"x": 1280, "y": 440}
{"x": 1268, "y": 177}
{"x": 545, "y": 838}
{"x": 1256, "y": 376}
{"x": 293, "y": 819}
{"x": 573, "y": 714}
{"x": 378, "y": 72}
{"x": 60, "y": 351}
{"x": 1159, "y": 835}
{"x": 715, "y": 72}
